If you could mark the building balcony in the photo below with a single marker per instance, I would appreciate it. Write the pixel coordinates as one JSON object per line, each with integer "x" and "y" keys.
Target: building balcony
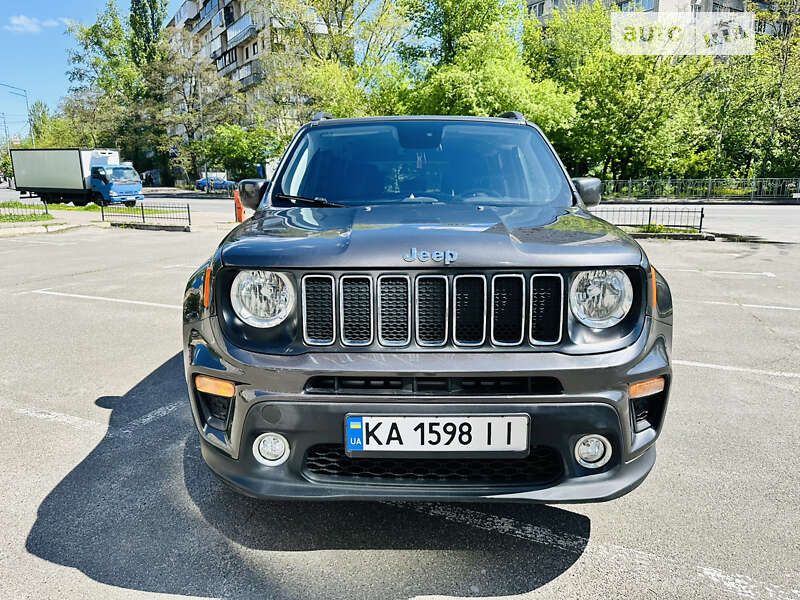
{"x": 251, "y": 74}
{"x": 228, "y": 69}
{"x": 241, "y": 30}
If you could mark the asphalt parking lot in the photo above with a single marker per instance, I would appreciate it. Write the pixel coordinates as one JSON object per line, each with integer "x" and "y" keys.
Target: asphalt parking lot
{"x": 104, "y": 493}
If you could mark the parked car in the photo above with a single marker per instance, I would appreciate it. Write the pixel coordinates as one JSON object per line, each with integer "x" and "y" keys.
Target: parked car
{"x": 423, "y": 307}
{"x": 216, "y": 184}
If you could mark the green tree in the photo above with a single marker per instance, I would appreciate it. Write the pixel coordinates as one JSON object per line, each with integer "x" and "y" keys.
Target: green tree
{"x": 40, "y": 119}
{"x": 753, "y": 102}
{"x": 636, "y": 115}
{"x": 102, "y": 58}
{"x": 331, "y": 55}
{"x": 488, "y": 77}
{"x": 146, "y": 22}
{"x": 241, "y": 150}
{"x": 189, "y": 101}
{"x": 437, "y": 26}
{"x": 5, "y": 164}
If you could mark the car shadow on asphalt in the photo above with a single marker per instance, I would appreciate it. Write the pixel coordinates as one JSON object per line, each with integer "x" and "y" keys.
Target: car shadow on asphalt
{"x": 143, "y": 512}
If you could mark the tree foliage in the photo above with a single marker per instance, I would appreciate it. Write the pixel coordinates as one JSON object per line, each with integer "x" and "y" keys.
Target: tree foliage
{"x": 488, "y": 77}
{"x": 240, "y": 150}
{"x": 146, "y": 22}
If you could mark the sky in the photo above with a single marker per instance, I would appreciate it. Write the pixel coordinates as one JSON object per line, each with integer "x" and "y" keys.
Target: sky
{"x": 33, "y": 47}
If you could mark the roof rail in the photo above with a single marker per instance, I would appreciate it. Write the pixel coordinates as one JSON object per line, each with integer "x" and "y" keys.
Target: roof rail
{"x": 513, "y": 114}
{"x": 321, "y": 116}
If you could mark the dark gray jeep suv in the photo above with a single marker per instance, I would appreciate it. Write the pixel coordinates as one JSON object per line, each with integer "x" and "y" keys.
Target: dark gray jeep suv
{"x": 422, "y": 307}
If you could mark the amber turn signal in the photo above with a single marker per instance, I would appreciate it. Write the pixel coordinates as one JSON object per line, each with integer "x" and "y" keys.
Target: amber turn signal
{"x": 653, "y": 286}
{"x": 646, "y": 388}
{"x": 216, "y": 387}
{"x": 207, "y": 288}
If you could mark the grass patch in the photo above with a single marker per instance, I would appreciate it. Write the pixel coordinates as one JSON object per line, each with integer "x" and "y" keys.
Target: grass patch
{"x": 656, "y": 228}
{"x": 25, "y": 218}
{"x": 87, "y": 208}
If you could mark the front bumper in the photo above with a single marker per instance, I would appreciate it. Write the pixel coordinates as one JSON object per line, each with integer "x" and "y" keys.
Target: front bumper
{"x": 126, "y": 198}
{"x": 270, "y": 397}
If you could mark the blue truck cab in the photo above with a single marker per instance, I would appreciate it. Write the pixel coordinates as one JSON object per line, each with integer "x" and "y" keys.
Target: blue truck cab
{"x": 116, "y": 184}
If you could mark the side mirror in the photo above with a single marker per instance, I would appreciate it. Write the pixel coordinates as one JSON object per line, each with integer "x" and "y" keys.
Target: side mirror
{"x": 590, "y": 189}
{"x": 251, "y": 191}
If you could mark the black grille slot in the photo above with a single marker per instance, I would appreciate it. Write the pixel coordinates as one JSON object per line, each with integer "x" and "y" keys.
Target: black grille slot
{"x": 545, "y": 308}
{"x": 469, "y": 328}
{"x": 216, "y": 410}
{"x": 394, "y": 310}
{"x": 508, "y": 309}
{"x": 319, "y": 309}
{"x": 541, "y": 467}
{"x": 431, "y": 310}
{"x": 356, "y": 310}
{"x": 432, "y": 386}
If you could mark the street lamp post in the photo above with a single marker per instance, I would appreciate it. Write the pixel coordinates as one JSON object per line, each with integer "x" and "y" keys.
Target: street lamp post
{"x": 24, "y": 94}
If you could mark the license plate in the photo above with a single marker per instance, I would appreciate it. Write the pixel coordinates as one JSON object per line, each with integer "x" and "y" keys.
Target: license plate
{"x": 441, "y": 433}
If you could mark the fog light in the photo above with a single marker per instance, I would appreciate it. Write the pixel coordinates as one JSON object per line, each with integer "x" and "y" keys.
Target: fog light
{"x": 271, "y": 449}
{"x": 593, "y": 451}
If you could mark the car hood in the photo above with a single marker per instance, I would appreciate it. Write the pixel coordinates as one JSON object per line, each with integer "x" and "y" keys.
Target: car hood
{"x": 379, "y": 237}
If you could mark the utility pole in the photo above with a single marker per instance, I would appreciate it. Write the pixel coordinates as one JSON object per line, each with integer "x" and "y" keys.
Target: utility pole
{"x": 5, "y": 128}
{"x": 202, "y": 135}
{"x": 24, "y": 94}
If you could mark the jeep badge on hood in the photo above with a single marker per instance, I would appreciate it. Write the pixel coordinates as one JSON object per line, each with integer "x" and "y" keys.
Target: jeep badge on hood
{"x": 448, "y": 256}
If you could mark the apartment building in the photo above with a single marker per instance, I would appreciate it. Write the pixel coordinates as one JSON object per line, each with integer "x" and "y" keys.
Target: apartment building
{"x": 227, "y": 32}
{"x": 543, "y": 9}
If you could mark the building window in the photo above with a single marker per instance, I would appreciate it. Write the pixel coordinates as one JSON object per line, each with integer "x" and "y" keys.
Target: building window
{"x": 246, "y": 53}
{"x": 255, "y": 48}
{"x": 536, "y": 9}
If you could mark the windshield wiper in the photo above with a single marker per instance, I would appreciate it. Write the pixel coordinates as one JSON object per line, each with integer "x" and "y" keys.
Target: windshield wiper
{"x": 312, "y": 201}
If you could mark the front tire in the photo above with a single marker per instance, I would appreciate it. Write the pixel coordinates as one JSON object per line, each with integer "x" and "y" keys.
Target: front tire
{"x": 98, "y": 199}
{"x": 131, "y": 203}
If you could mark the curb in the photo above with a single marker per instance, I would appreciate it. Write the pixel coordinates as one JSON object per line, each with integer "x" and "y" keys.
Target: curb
{"x": 148, "y": 227}
{"x": 700, "y": 237}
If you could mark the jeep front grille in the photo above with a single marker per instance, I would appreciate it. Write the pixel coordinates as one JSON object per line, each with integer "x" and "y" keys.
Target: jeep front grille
{"x": 467, "y": 310}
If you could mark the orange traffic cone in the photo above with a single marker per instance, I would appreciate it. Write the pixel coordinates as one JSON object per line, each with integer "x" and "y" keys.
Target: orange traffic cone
{"x": 238, "y": 205}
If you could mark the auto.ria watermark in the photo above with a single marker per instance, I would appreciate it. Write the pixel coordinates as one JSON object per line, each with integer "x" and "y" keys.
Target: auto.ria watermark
{"x": 672, "y": 31}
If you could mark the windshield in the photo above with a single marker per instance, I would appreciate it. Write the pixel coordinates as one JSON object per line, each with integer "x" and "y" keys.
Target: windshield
{"x": 425, "y": 162}
{"x": 122, "y": 174}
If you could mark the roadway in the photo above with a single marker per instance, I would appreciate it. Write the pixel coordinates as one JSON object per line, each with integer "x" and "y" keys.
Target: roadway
{"x": 103, "y": 493}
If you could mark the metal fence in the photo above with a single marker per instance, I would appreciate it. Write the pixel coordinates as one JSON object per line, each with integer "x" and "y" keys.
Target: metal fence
{"x": 708, "y": 189}
{"x": 14, "y": 210}
{"x": 149, "y": 213}
{"x": 653, "y": 218}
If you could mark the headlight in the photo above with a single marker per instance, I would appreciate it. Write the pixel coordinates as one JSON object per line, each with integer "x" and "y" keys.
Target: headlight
{"x": 112, "y": 193}
{"x": 262, "y": 298}
{"x": 600, "y": 298}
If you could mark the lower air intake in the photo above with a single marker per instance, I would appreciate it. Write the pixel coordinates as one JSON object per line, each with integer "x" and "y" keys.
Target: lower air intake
{"x": 329, "y": 461}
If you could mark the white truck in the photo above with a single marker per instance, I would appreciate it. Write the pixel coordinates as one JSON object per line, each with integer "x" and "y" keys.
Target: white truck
{"x": 78, "y": 175}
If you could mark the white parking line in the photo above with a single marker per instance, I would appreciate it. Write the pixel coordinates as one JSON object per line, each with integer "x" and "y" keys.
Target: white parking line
{"x": 153, "y": 415}
{"x": 753, "y": 274}
{"x": 105, "y": 299}
{"x": 25, "y": 241}
{"x": 743, "y": 305}
{"x": 650, "y": 566}
{"x": 691, "y": 363}
{"x": 81, "y": 423}
{"x": 55, "y": 417}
